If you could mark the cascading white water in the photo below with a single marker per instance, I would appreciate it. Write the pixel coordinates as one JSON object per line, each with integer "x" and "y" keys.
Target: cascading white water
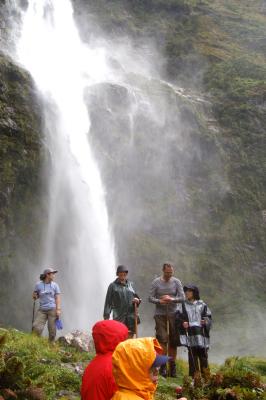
{"x": 62, "y": 67}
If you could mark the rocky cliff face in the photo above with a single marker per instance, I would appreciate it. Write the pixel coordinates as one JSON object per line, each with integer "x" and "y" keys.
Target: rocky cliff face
{"x": 191, "y": 188}
{"x": 20, "y": 186}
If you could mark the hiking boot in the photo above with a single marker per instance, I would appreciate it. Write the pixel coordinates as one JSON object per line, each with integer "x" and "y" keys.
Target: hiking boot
{"x": 163, "y": 371}
{"x": 172, "y": 368}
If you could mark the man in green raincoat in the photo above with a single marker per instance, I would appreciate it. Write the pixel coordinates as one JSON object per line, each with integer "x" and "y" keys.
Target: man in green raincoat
{"x": 121, "y": 299}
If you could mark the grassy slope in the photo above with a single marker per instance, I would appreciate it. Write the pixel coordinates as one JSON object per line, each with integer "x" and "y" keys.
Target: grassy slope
{"x": 36, "y": 370}
{"x": 36, "y": 363}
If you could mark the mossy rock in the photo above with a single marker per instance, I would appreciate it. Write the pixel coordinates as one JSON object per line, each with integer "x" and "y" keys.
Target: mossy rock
{"x": 22, "y": 154}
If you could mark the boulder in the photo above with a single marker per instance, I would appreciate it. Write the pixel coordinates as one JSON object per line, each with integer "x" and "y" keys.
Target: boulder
{"x": 78, "y": 368}
{"x": 8, "y": 394}
{"x": 33, "y": 393}
{"x": 82, "y": 341}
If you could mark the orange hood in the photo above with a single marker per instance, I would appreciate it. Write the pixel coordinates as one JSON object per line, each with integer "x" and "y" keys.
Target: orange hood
{"x": 132, "y": 361}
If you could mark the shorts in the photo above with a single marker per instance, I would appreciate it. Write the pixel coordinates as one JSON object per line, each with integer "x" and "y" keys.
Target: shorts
{"x": 161, "y": 330}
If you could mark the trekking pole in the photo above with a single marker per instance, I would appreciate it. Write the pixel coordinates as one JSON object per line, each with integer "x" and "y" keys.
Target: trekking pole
{"x": 204, "y": 341}
{"x": 204, "y": 331}
{"x": 168, "y": 337}
{"x": 190, "y": 350}
{"x": 33, "y": 314}
{"x": 136, "y": 319}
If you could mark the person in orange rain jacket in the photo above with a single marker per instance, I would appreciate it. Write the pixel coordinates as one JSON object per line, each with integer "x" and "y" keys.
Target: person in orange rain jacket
{"x": 98, "y": 381}
{"x": 136, "y": 365}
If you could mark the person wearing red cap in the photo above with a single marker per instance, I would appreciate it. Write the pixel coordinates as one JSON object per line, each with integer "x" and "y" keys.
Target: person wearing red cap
{"x": 98, "y": 381}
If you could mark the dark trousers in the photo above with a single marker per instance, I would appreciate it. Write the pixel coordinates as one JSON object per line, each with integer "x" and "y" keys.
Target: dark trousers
{"x": 197, "y": 360}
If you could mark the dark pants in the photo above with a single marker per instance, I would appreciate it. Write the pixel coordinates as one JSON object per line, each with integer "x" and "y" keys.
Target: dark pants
{"x": 197, "y": 360}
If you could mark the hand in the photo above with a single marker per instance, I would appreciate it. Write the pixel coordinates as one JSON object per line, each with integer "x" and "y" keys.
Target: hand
{"x": 136, "y": 301}
{"x": 203, "y": 322}
{"x": 35, "y": 295}
{"x": 58, "y": 312}
{"x": 162, "y": 300}
{"x": 185, "y": 325}
{"x": 166, "y": 299}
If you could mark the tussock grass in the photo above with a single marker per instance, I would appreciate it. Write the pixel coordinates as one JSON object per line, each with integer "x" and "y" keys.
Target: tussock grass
{"x": 27, "y": 362}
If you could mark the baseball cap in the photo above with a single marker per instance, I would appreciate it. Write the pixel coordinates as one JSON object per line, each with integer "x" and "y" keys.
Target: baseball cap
{"x": 49, "y": 271}
{"x": 160, "y": 360}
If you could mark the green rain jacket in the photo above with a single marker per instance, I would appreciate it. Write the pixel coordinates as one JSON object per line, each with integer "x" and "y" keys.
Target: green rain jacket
{"x": 119, "y": 300}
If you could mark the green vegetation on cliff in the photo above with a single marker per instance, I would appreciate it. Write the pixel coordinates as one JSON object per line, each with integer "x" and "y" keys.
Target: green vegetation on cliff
{"x": 20, "y": 183}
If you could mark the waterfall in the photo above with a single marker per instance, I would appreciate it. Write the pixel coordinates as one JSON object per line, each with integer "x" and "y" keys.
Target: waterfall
{"x": 77, "y": 237}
